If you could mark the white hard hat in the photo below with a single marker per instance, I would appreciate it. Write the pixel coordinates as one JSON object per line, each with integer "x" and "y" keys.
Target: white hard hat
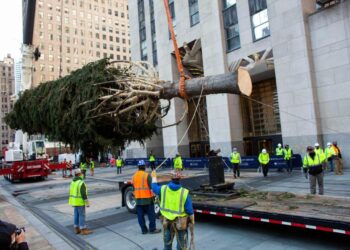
{"x": 234, "y": 149}
{"x": 279, "y": 145}
{"x": 77, "y": 171}
{"x": 316, "y": 144}
{"x": 264, "y": 151}
{"x": 329, "y": 144}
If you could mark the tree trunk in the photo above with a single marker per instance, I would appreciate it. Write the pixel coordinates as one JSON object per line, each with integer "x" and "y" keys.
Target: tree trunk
{"x": 238, "y": 83}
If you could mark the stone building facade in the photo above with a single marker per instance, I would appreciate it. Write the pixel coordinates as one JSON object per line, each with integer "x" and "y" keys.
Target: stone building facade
{"x": 71, "y": 33}
{"x": 301, "y": 97}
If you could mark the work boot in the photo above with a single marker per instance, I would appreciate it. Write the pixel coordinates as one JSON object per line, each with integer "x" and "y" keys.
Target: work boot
{"x": 77, "y": 230}
{"x": 85, "y": 231}
{"x": 155, "y": 231}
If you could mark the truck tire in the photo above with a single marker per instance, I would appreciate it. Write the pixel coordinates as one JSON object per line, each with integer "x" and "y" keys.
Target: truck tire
{"x": 129, "y": 199}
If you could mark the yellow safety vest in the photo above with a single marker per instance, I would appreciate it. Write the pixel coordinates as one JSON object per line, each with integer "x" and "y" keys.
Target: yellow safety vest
{"x": 75, "y": 198}
{"x": 264, "y": 158}
{"x": 178, "y": 163}
{"x": 83, "y": 166}
{"x": 173, "y": 202}
{"x": 287, "y": 154}
{"x": 92, "y": 165}
{"x": 279, "y": 151}
{"x": 152, "y": 158}
{"x": 329, "y": 152}
{"x": 235, "y": 158}
{"x": 119, "y": 163}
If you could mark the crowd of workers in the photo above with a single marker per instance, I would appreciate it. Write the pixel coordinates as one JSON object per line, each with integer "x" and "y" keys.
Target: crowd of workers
{"x": 175, "y": 202}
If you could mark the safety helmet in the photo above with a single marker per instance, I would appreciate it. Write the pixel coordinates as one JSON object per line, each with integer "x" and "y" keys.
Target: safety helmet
{"x": 316, "y": 144}
{"x": 141, "y": 163}
{"x": 264, "y": 151}
{"x": 329, "y": 144}
{"x": 279, "y": 145}
{"x": 310, "y": 148}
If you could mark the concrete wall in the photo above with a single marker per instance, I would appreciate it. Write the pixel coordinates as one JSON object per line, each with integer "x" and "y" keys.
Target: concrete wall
{"x": 330, "y": 40}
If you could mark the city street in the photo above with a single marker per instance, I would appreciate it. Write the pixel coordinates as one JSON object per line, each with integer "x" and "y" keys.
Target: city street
{"x": 115, "y": 228}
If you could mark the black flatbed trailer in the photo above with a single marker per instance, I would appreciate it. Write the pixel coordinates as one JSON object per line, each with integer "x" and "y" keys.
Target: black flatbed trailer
{"x": 243, "y": 210}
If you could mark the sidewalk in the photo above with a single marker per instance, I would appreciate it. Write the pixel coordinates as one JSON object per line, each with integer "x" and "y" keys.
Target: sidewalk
{"x": 38, "y": 235}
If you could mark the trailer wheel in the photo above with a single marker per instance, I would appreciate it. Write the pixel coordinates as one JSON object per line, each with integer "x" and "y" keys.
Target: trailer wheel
{"x": 129, "y": 199}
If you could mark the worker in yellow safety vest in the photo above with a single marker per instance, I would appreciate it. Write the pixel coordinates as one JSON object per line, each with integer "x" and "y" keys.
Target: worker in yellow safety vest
{"x": 83, "y": 167}
{"x": 317, "y": 149}
{"x": 279, "y": 150}
{"x": 152, "y": 161}
{"x": 178, "y": 163}
{"x": 330, "y": 154}
{"x": 78, "y": 199}
{"x": 288, "y": 154}
{"x": 92, "y": 166}
{"x": 264, "y": 159}
{"x": 235, "y": 159}
{"x": 119, "y": 163}
{"x": 144, "y": 197}
{"x": 176, "y": 210}
{"x": 312, "y": 165}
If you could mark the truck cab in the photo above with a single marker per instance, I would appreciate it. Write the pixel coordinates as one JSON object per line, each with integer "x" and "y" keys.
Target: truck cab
{"x": 36, "y": 150}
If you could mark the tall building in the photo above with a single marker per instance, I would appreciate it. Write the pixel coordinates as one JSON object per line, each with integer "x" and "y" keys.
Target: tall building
{"x": 7, "y": 75}
{"x": 18, "y": 77}
{"x": 298, "y": 53}
{"x": 71, "y": 33}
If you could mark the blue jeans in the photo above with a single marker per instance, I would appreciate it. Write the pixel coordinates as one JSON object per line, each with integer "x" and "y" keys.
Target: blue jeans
{"x": 331, "y": 164}
{"x": 79, "y": 217}
{"x": 149, "y": 210}
{"x": 181, "y": 239}
{"x": 289, "y": 165}
{"x": 119, "y": 170}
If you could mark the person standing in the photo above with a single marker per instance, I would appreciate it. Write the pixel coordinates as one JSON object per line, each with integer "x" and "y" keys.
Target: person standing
{"x": 312, "y": 165}
{"x": 119, "y": 165}
{"x": 78, "y": 199}
{"x": 83, "y": 167}
{"x": 152, "y": 160}
{"x": 264, "y": 159}
{"x": 92, "y": 167}
{"x": 178, "y": 167}
{"x": 112, "y": 162}
{"x": 144, "y": 197}
{"x": 318, "y": 150}
{"x": 64, "y": 170}
{"x": 330, "y": 154}
{"x": 288, "y": 154}
{"x": 176, "y": 210}
{"x": 337, "y": 159}
{"x": 279, "y": 150}
{"x": 69, "y": 167}
{"x": 235, "y": 159}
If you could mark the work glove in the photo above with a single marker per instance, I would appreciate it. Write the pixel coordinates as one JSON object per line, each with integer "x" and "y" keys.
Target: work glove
{"x": 154, "y": 176}
{"x": 87, "y": 203}
{"x": 192, "y": 219}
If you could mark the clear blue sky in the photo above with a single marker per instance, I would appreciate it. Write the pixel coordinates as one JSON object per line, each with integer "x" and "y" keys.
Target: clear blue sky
{"x": 10, "y": 28}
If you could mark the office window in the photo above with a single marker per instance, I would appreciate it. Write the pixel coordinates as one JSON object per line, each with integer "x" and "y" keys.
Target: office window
{"x": 105, "y": 46}
{"x": 117, "y": 39}
{"x": 153, "y": 34}
{"x": 142, "y": 29}
{"x": 231, "y": 25}
{"x": 259, "y": 19}
{"x": 173, "y": 16}
{"x": 194, "y": 12}
{"x": 111, "y": 47}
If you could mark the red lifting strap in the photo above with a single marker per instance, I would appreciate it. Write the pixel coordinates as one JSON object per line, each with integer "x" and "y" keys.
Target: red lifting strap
{"x": 182, "y": 87}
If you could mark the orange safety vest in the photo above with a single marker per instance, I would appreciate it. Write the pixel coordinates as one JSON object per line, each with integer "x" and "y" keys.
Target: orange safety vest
{"x": 141, "y": 188}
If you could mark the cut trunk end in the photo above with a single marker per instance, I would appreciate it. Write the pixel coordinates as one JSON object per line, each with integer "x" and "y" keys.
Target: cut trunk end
{"x": 238, "y": 83}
